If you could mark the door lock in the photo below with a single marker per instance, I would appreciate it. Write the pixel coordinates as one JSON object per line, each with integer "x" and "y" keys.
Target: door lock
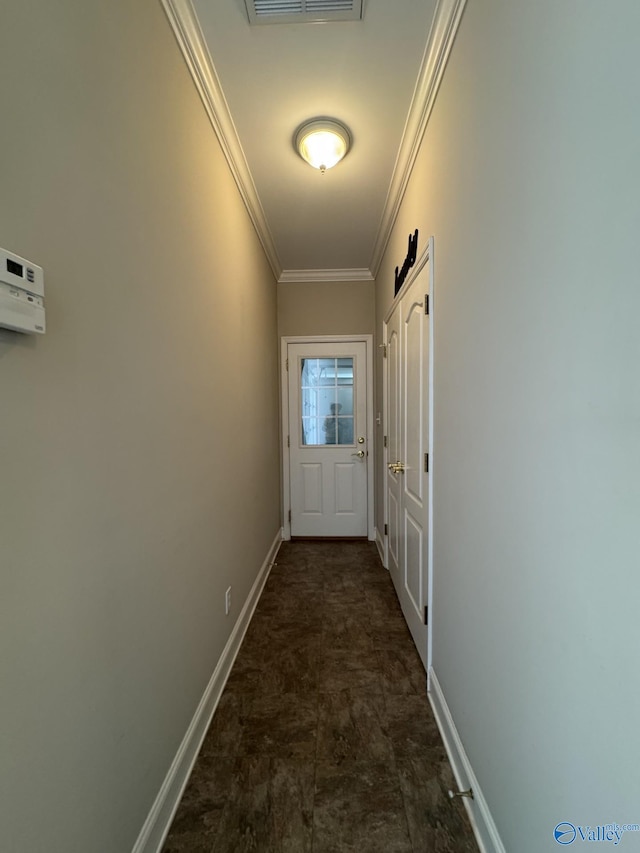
{"x": 396, "y": 467}
{"x": 361, "y": 439}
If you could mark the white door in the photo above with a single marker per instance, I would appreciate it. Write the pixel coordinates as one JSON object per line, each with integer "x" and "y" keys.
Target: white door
{"x": 394, "y": 448}
{"x": 327, "y": 385}
{"x": 407, "y": 477}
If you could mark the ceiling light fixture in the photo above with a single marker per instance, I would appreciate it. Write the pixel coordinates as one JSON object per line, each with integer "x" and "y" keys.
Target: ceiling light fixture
{"x": 322, "y": 142}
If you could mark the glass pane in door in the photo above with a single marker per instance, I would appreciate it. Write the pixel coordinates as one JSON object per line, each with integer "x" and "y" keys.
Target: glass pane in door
{"x": 326, "y": 394}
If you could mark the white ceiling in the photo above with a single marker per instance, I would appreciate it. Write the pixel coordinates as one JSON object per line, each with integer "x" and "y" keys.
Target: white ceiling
{"x": 274, "y": 77}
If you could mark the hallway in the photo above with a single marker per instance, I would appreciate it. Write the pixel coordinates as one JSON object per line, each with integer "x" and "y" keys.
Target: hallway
{"x": 324, "y": 739}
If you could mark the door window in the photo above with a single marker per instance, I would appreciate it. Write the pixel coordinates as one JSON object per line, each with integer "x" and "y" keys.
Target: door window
{"x": 327, "y": 400}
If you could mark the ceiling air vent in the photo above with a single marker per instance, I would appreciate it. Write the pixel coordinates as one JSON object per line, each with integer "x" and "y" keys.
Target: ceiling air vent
{"x": 303, "y": 11}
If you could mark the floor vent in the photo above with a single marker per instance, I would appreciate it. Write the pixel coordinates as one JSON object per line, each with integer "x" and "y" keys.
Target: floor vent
{"x": 303, "y": 11}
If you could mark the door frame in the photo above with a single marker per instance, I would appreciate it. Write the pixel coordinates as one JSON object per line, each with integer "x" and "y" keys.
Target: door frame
{"x": 425, "y": 257}
{"x": 284, "y": 420}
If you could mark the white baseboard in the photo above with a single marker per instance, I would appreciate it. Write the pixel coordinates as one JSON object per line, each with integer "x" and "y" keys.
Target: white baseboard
{"x": 156, "y": 826}
{"x": 484, "y": 828}
{"x": 380, "y": 544}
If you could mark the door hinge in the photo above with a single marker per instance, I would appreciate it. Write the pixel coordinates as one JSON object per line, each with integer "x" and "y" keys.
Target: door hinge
{"x": 386, "y": 530}
{"x": 385, "y": 441}
{"x": 426, "y": 303}
{"x": 426, "y": 463}
{"x": 383, "y": 347}
{"x": 426, "y": 614}
{"x": 288, "y": 441}
{"x": 289, "y": 516}
{"x": 287, "y": 364}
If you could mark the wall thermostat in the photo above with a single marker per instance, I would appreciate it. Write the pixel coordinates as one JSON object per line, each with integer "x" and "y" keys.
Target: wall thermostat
{"x": 21, "y": 294}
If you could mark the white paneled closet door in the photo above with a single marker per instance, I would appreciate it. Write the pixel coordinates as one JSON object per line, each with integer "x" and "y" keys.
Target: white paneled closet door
{"x": 407, "y": 476}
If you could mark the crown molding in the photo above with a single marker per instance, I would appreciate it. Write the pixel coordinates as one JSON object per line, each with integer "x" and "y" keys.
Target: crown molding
{"x": 443, "y": 31}
{"x": 307, "y": 276}
{"x": 186, "y": 28}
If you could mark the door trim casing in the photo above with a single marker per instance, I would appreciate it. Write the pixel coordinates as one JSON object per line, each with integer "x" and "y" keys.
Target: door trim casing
{"x": 284, "y": 420}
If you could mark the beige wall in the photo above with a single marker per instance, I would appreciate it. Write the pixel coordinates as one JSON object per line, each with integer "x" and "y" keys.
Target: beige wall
{"x": 124, "y": 515}
{"x": 528, "y": 179}
{"x": 326, "y": 308}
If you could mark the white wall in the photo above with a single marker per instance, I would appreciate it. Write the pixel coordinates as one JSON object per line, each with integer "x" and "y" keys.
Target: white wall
{"x": 528, "y": 179}
{"x": 139, "y": 437}
{"x": 326, "y": 308}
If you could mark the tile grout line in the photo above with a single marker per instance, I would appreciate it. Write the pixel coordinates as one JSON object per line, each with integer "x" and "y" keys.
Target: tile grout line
{"x": 315, "y": 757}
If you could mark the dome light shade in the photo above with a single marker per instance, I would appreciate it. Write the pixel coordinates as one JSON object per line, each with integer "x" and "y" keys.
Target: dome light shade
{"x": 322, "y": 142}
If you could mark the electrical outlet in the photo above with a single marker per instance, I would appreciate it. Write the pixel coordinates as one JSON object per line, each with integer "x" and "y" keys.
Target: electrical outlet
{"x": 227, "y": 601}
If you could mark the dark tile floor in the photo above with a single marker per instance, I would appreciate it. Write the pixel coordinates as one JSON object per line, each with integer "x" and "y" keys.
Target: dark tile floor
{"x": 323, "y": 740}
